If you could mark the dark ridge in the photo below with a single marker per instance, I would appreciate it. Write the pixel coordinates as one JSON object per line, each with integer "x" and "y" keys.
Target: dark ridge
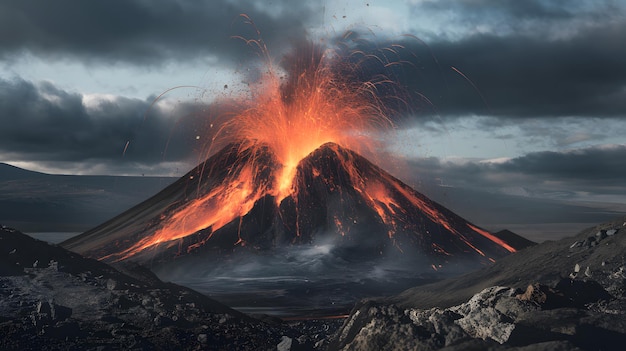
{"x": 326, "y": 205}
{"x": 515, "y": 240}
{"x": 9, "y": 172}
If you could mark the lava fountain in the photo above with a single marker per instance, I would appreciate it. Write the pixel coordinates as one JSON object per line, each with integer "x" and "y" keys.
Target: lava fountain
{"x": 314, "y": 106}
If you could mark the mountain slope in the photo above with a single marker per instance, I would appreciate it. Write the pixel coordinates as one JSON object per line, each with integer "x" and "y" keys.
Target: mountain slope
{"x": 9, "y": 172}
{"x": 514, "y": 240}
{"x": 336, "y": 195}
{"x": 53, "y": 299}
{"x": 545, "y": 263}
{"x": 567, "y": 295}
{"x": 39, "y": 202}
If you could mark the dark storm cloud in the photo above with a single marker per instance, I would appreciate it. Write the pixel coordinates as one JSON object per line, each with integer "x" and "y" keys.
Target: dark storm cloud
{"x": 535, "y": 58}
{"x": 515, "y": 13}
{"x": 512, "y": 59}
{"x": 597, "y": 165}
{"x": 598, "y": 170}
{"x": 44, "y": 123}
{"x": 514, "y": 76}
{"x": 528, "y": 77}
{"x": 138, "y": 31}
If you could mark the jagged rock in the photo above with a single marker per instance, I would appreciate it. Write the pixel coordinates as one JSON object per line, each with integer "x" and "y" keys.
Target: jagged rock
{"x": 50, "y": 312}
{"x": 111, "y": 284}
{"x": 595, "y": 240}
{"x": 440, "y": 323}
{"x": 374, "y": 327}
{"x": 619, "y": 274}
{"x": 496, "y": 314}
{"x": 576, "y": 244}
{"x": 285, "y": 344}
{"x": 71, "y": 306}
{"x": 43, "y": 307}
{"x": 490, "y": 314}
{"x": 552, "y": 313}
{"x": 489, "y": 317}
{"x": 203, "y": 339}
{"x": 536, "y": 293}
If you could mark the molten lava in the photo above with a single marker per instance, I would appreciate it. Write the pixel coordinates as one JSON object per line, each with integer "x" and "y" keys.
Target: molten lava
{"x": 314, "y": 107}
{"x": 286, "y": 171}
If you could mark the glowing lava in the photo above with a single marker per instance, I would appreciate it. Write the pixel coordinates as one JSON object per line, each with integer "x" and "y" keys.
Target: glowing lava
{"x": 286, "y": 168}
{"x": 314, "y": 106}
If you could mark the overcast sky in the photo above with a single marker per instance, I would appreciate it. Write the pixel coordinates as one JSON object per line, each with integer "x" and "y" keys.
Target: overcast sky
{"x": 524, "y": 97}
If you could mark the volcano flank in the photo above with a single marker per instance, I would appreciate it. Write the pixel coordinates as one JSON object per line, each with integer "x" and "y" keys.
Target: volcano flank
{"x": 344, "y": 220}
{"x": 336, "y": 194}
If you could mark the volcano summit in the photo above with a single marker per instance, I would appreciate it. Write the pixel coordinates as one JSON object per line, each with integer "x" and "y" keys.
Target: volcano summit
{"x": 344, "y": 219}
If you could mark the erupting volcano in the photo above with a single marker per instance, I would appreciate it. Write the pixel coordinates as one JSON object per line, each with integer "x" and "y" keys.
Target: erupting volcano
{"x": 282, "y": 171}
{"x": 335, "y": 192}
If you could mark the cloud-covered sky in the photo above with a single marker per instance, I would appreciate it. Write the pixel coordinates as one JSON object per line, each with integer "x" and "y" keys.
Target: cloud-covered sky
{"x": 519, "y": 97}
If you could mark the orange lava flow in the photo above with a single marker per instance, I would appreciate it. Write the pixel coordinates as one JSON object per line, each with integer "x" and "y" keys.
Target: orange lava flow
{"x": 492, "y": 238}
{"x": 321, "y": 108}
{"x": 292, "y": 118}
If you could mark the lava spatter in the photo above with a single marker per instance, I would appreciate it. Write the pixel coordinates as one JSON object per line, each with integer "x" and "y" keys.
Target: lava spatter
{"x": 288, "y": 173}
{"x": 336, "y": 193}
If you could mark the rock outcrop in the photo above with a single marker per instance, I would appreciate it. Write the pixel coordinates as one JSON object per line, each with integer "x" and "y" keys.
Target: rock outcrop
{"x": 585, "y": 310}
{"x": 52, "y": 299}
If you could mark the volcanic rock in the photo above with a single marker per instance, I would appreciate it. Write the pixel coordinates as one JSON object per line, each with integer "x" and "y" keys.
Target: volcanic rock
{"x": 553, "y": 312}
{"x": 69, "y": 302}
{"x": 336, "y": 195}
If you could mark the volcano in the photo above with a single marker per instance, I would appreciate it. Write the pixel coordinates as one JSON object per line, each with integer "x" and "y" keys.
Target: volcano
{"x": 230, "y": 202}
{"x": 341, "y": 230}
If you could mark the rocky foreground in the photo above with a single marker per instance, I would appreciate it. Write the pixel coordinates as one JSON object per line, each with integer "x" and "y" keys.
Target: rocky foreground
{"x": 564, "y": 295}
{"x": 52, "y": 299}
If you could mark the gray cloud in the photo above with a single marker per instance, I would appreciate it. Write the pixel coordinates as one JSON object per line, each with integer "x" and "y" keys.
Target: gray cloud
{"x": 528, "y": 77}
{"x": 509, "y": 51}
{"x": 505, "y": 76}
{"x": 598, "y": 166}
{"x": 517, "y": 76}
{"x": 41, "y": 122}
{"x": 144, "y": 32}
{"x": 543, "y": 195}
{"x": 538, "y": 18}
{"x": 570, "y": 174}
